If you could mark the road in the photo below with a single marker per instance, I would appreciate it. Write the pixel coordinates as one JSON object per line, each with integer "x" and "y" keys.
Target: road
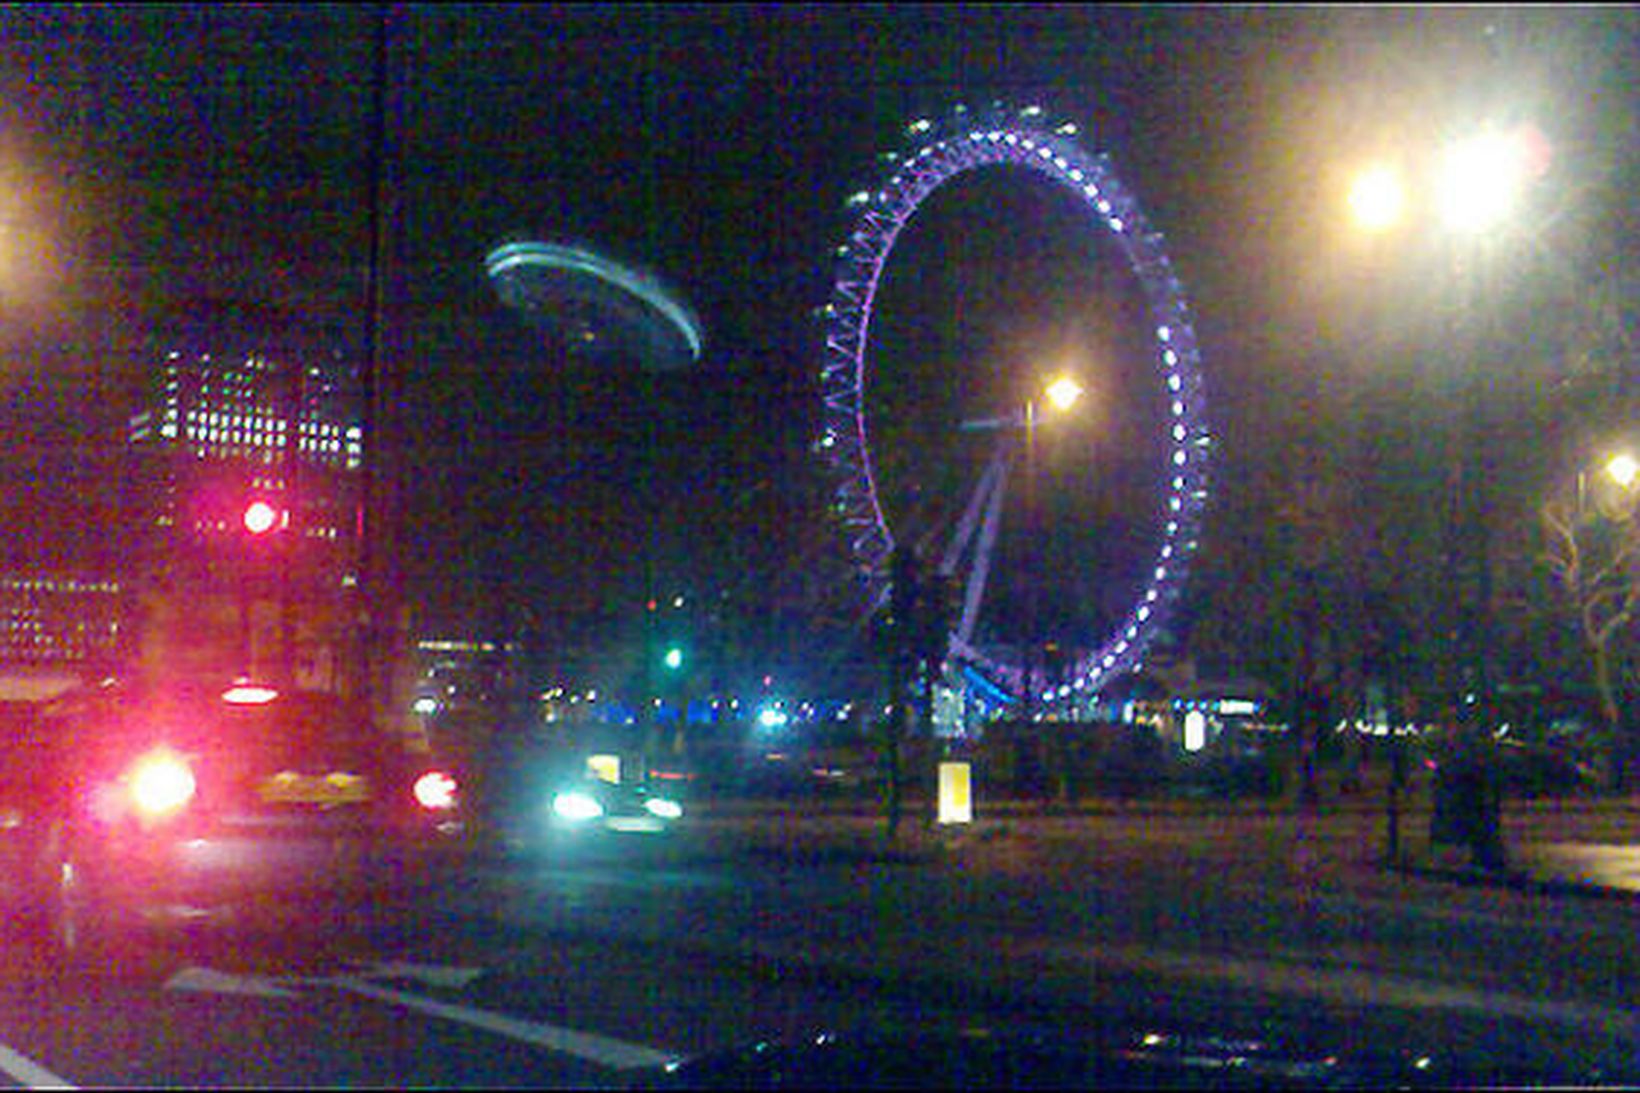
{"x": 579, "y": 969}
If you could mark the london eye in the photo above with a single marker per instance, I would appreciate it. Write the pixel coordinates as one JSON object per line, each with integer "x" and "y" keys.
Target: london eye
{"x": 1009, "y": 148}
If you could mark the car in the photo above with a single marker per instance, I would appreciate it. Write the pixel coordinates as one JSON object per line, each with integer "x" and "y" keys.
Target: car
{"x": 589, "y": 805}
{"x": 1526, "y": 770}
{"x": 124, "y": 804}
{"x": 1542, "y": 770}
{"x": 1024, "y": 1057}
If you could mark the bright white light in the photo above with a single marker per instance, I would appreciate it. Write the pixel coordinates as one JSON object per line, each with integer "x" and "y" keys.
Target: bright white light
{"x": 664, "y": 808}
{"x": 260, "y": 517}
{"x": 246, "y": 693}
{"x": 577, "y": 806}
{"x": 435, "y": 790}
{"x": 1481, "y": 180}
{"x": 161, "y": 782}
{"x": 1063, "y": 393}
{"x": 1623, "y": 469}
{"x": 1195, "y": 731}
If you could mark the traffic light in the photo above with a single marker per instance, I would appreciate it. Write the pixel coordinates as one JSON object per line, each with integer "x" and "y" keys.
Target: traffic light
{"x": 262, "y": 517}
{"x": 673, "y": 658}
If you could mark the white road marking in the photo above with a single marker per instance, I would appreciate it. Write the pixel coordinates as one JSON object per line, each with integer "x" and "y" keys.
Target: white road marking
{"x": 29, "y": 1073}
{"x": 210, "y": 981}
{"x": 603, "y": 1050}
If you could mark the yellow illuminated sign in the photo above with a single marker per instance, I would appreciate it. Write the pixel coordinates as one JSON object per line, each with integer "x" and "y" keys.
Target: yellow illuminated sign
{"x": 606, "y": 768}
{"x": 956, "y": 793}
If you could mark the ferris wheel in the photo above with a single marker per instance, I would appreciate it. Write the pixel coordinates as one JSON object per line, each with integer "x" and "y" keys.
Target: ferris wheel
{"x": 935, "y": 153}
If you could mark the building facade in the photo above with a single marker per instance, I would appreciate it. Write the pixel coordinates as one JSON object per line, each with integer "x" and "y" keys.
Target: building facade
{"x": 245, "y": 407}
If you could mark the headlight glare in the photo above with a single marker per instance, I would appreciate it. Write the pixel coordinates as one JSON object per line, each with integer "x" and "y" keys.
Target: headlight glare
{"x": 576, "y": 805}
{"x": 663, "y": 808}
{"x": 161, "y": 783}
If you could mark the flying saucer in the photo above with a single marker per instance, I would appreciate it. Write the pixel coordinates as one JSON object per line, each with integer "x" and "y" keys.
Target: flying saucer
{"x": 596, "y": 307}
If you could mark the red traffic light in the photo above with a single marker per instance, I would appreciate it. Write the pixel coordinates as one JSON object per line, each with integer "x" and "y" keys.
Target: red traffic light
{"x": 261, "y": 517}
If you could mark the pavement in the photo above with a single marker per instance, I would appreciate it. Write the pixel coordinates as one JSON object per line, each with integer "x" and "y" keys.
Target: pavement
{"x": 1589, "y": 870}
{"x": 1575, "y": 847}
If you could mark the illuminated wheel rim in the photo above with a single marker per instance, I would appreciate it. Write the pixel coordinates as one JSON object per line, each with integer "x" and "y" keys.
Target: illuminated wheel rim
{"x": 936, "y": 153}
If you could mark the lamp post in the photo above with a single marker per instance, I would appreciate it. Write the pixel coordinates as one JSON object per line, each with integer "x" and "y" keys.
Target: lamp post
{"x": 1599, "y": 569}
{"x": 1059, "y": 395}
{"x": 1474, "y": 189}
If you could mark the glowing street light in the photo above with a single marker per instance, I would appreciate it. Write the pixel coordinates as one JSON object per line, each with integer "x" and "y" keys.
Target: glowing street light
{"x": 1060, "y": 394}
{"x": 1377, "y": 199}
{"x": 1623, "y": 469}
{"x": 1063, "y": 393}
{"x": 1482, "y": 178}
{"x": 1473, "y": 186}
{"x": 1473, "y": 189}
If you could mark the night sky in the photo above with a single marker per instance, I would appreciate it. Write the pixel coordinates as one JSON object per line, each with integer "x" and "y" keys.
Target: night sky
{"x": 151, "y": 154}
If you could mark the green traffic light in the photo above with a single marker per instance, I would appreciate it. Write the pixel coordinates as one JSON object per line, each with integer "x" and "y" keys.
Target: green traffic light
{"x": 673, "y": 658}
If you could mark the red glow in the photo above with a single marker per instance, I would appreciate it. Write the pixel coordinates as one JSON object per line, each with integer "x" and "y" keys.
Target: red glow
{"x": 1536, "y": 150}
{"x": 261, "y": 517}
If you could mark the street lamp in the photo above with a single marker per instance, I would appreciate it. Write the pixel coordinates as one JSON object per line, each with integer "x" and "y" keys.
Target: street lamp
{"x": 1593, "y": 554}
{"x": 1058, "y": 395}
{"x": 1377, "y": 199}
{"x": 1475, "y": 188}
{"x": 1623, "y": 469}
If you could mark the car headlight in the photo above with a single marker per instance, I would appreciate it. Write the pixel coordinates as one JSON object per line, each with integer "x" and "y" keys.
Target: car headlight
{"x": 663, "y": 808}
{"x": 161, "y": 783}
{"x": 576, "y": 805}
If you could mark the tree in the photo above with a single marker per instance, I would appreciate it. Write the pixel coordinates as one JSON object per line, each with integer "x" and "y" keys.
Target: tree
{"x": 1590, "y": 534}
{"x": 1594, "y": 554}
